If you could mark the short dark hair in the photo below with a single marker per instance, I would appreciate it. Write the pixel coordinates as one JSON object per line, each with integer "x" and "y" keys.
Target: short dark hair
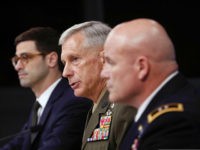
{"x": 45, "y": 38}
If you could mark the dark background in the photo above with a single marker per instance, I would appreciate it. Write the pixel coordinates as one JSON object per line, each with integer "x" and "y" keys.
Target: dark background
{"x": 180, "y": 18}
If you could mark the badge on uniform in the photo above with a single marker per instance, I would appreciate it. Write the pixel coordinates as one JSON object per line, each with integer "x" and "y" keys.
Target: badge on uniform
{"x": 102, "y": 133}
{"x": 135, "y": 144}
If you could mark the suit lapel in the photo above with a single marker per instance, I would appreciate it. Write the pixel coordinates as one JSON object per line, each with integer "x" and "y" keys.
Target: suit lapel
{"x": 94, "y": 119}
{"x": 54, "y": 96}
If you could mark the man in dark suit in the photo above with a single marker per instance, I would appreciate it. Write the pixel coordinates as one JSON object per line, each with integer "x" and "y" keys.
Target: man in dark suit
{"x": 141, "y": 71}
{"x": 82, "y": 45}
{"x": 61, "y": 115}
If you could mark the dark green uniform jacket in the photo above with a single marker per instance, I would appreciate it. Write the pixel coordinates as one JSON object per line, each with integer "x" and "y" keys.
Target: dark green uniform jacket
{"x": 106, "y": 126}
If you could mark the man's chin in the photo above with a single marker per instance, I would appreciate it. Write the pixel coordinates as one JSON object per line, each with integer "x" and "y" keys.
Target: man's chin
{"x": 115, "y": 99}
{"x": 24, "y": 84}
{"x": 112, "y": 98}
{"x": 78, "y": 93}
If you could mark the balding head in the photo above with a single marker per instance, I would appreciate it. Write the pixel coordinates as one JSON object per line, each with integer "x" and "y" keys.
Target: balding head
{"x": 147, "y": 36}
{"x": 141, "y": 52}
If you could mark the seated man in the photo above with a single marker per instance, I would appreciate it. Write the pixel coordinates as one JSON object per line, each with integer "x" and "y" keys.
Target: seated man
{"x": 82, "y": 47}
{"x": 141, "y": 71}
{"x": 58, "y": 123}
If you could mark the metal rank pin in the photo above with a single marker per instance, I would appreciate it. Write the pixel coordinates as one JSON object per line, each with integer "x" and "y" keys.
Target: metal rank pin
{"x": 112, "y": 105}
{"x": 109, "y": 112}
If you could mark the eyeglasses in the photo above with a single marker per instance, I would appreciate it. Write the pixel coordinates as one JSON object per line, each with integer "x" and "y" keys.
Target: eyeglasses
{"x": 24, "y": 58}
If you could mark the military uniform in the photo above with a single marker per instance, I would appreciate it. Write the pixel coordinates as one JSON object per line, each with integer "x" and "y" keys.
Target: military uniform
{"x": 106, "y": 126}
{"x": 170, "y": 121}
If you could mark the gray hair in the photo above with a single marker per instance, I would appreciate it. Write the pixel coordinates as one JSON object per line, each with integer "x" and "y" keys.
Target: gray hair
{"x": 95, "y": 32}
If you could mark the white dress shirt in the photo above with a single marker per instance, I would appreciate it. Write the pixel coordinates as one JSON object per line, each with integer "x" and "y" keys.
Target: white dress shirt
{"x": 44, "y": 97}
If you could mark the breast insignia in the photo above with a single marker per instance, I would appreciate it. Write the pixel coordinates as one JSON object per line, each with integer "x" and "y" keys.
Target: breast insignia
{"x": 103, "y": 129}
{"x": 171, "y": 107}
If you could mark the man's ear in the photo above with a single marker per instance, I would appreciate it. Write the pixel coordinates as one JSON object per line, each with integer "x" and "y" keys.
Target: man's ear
{"x": 52, "y": 59}
{"x": 142, "y": 67}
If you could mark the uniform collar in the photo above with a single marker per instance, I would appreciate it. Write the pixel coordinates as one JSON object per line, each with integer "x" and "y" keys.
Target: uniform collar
{"x": 150, "y": 97}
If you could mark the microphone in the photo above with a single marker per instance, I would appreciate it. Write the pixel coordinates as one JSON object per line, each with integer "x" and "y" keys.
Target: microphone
{"x": 34, "y": 129}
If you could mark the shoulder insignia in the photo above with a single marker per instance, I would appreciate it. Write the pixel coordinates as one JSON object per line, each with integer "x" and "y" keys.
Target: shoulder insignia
{"x": 172, "y": 107}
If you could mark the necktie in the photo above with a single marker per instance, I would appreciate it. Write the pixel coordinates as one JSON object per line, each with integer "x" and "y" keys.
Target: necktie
{"x": 36, "y": 106}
